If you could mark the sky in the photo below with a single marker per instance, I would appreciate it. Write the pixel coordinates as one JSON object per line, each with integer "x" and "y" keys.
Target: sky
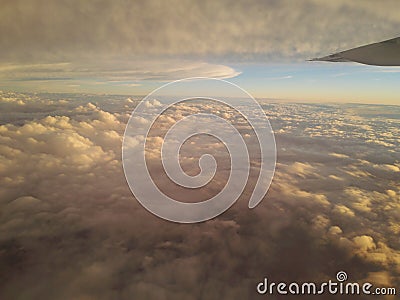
{"x": 133, "y": 47}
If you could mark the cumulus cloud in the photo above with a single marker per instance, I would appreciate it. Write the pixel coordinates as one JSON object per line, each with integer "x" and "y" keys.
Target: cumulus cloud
{"x": 68, "y": 220}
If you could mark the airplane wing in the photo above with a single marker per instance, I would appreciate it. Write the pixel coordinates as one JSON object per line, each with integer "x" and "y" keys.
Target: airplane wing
{"x": 386, "y": 53}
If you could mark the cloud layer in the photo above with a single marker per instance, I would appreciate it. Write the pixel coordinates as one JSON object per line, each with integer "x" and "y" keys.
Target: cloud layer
{"x": 249, "y": 29}
{"x": 114, "y": 71}
{"x": 71, "y": 229}
{"x": 136, "y": 40}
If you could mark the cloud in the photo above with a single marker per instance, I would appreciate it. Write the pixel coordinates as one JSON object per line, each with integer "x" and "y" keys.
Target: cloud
{"x": 108, "y": 72}
{"x": 117, "y": 45}
{"x": 280, "y": 78}
{"x": 68, "y": 220}
{"x": 192, "y": 27}
{"x": 344, "y": 210}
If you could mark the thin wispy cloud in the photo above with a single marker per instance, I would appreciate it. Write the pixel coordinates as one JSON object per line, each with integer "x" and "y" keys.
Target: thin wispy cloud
{"x": 280, "y": 78}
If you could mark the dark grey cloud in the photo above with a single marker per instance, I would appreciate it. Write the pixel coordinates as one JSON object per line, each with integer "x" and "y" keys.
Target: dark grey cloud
{"x": 63, "y": 30}
{"x": 60, "y": 45}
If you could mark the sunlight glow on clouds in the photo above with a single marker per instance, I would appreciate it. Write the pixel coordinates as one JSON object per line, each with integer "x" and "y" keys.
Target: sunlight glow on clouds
{"x": 64, "y": 199}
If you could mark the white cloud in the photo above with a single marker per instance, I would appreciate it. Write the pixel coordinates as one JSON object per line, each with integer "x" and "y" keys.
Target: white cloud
{"x": 70, "y": 222}
{"x": 344, "y": 210}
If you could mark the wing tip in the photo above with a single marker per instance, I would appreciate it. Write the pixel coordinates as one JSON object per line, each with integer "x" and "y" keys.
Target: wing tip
{"x": 331, "y": 58}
